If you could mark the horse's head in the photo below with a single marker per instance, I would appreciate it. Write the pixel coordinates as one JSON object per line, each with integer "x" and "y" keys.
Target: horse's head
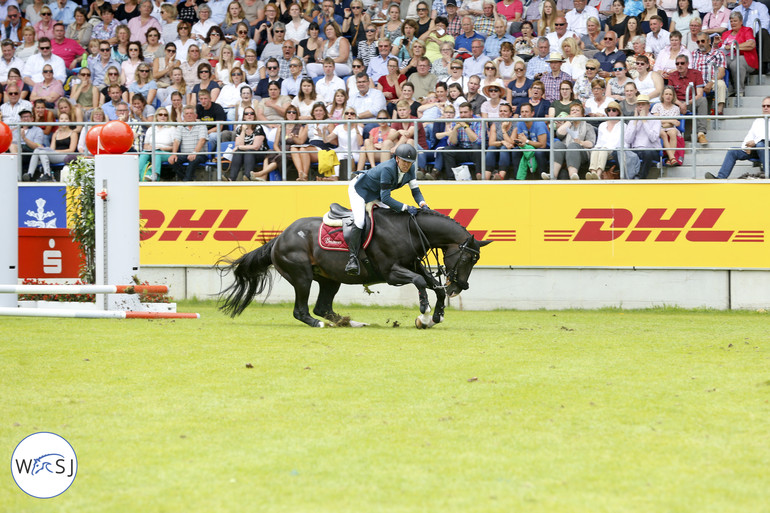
{"x": 459, "y": 262}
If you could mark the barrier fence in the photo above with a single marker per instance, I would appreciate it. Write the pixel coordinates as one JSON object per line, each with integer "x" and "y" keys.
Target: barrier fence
{"x": 216, "y": 153}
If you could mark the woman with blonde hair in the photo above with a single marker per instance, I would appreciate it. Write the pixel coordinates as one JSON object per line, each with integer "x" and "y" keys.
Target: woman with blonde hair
{"x": 392, "y": 29}
{"x": 574, "y": 63}
{"x": 143, "y": 84}
{"x": 190, "y": 66}
{"x": 159, "y": 137}
{"x": 44, "y": 27}
{"x": 63, "y": 146}
{"x": 492, "y": 77}
{"x": 545, "y": 25}
{"x": 353, "y": 27}
{"x": 418, "y": 52}
{"x": 63, "y": 106}
{"x": 251, "y": 69}
{"x": 233, "y": 17}
{"x": 230, "y": 94}
{"x": 169, "y": 22}
{"x": 177, "y": 85}
{"x": 440, "y": 67}
{"x": 669, "y": 125}
{"x": 120, "y": 49}
{"x": 28, "y": 46}
{"x": 338, "y": 105}
{"x": 225, "y": 66}
{"x": 162, "y": 66}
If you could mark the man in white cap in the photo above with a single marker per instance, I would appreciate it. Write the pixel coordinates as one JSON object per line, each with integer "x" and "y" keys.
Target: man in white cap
{"x": 642, "y": 136}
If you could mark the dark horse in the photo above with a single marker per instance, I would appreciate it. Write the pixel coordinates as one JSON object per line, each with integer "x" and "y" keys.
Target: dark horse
{"x": 399, "y": 244}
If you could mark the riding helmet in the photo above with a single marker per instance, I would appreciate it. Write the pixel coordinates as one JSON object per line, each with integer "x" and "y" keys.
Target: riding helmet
{"x": 406, "y": 152}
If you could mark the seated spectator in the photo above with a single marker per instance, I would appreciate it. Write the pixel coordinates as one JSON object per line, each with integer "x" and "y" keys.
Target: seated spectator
{"x": 403, "y": 45}
{"x": 305, "y": 99}
{"x": 491, "y": 107}
{"x": 275, "y": 47}
{"x": 44, "y": 27}
{"x": 564, "y": 103}
{"x": 206, "y": 83}
{"x": 353, "y": 24}
{"x": 608, "y": 140}
{"x": 648, "y": 18}
{"x": 296, "y": 26}
{"x": 177, "y": 84}
{"x": 441, "y": 66}
{"x": 309, "y": 48}
{"x": 501, "y": 138}
{"x": 390, "y": 84}
{"x": 63, "y": 106}
{"x": 595, "y": 107}
{"x": 99, "y": 64}
{"x": 474, "y": 65}
{"x": 403, "y": 133}
{"x": 547, "y": 20}
{"x": 592, "y": 42}
{"x": 378, "y": 144}
{"x": 189, "y": 146}
{"x": 491, "y": 76}
{"x": 657, "y": 38}
{"x": 265, "y": 31}
{"x": 251, "y": 69}
{"x": 143, "y": 84}
{"x": 632, "y": 32}
{"x": 10, "y": 110}
{"x": 348, "y": 140}
{"x": 175, "y": 109}
{"x": 225, "y": 66}
{"x": 562, "y": 33}
{"x": 272, "y": 108}
{"x": 212, "y": 44}
{"x": 393, "y": 28}
{"x": 129, "y": 66}
{"x": 525, "y": 46}
{"x": 455, "y": 97}
{"x": 464, "y": 41}
{"x": 338, "y": 105}
{"x": 538, "y": 105}
{"x": 638, "y": 44}
{"x": 115, "y": 95}
{"x": 718, "y": 20}
{"x": 247, "y": 101}
{"x": 533, "y": 137}
{"x": 8, "y": 60}
{"x": 233, "y": 17}
{"x": 518, "y": 88}
{"x": 42, "y": 115}
{"x": 366, "y": 100}
{"x": 317, "y": 133}
{"x": 649, "y": 83}
{"x": 464, "y": 135}
{"x": 81, "y": 30}
{"x": 159, "y": 138}
{"x": 14, "y": 77}
{"x": 290, "y": 85}
{"x": 746, "y": 58}
{"x": 106, "y": 30}
{"x": 538, "y": 65}
{"x": 169, "y": 23}
{"x": 272, "y": 68}
{"x": 329, "y": 84}
{"x": 113, "y": 78}
{"x": 230, "y": 94}
{"x": 33, "y": 68}
{"x": 609, "y": 55}
{"x": 367, "y": 48}
{"x": 49, "y": 90}
{"x": 407, "y": 95}
{"x": 29, "y": 138}
{"x": 681, "y": 80}
{"x": 628, "y": 105}
{"x": 497, "y": 37}
{"x": 184, "y": 42}
{"x": 665, "y": 62}
{"x": 752, "y": 147}
{"x": 575, "y": 61}
{"x": 249, "y": 139}
{"x": 85, "y": 94}
{"x": 582, "y": 86}
{"x": 441, "y": 131}
{"x": 28, "y": 46}
{"x": 201, "y": 28}
{"x": 140, "y": 111}
{"x": 456, "y": 75}
{"x": 62, "y": 149}
{"x": 436, "y": 38}
{"x": 120, "y": 49}
{"x": 573, "y": 140}
{"x": 669, "y": 124}
{"x": 424, "y": 81}
{"x": 643, "y": 137}
{"x": 617, "y": 84}
{"x": 338, "y": 49}
{"x": 127, "y": 11}
{"x": 242, "y": 42}
{"x": 555, "y": 77}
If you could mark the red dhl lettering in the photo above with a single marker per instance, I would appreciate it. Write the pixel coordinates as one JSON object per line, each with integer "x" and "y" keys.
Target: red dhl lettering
{"x": 610, "y": 224}
{"x": 196, "y": 225}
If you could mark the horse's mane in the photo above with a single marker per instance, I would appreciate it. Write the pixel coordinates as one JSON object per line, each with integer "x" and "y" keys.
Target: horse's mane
{"x": 439, "y": 214}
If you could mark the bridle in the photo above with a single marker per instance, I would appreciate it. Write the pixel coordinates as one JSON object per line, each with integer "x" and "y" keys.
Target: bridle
{"x": 463, "y": 248}
{"x": 451, "y": 274}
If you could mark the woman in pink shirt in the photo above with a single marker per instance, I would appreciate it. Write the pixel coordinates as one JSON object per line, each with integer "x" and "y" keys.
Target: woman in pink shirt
{"x": 512, "y": 10}
{"x": 44, "y": 27}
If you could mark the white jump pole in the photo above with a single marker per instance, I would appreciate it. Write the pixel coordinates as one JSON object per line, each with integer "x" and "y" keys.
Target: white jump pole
{"x": 93, "y": 314}
{"x": 83, "y": 289}
{"x": 116, "y": 184}
{"x": 9, "y": 226}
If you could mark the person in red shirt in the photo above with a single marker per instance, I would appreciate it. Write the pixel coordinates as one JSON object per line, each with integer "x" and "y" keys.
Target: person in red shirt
{"x": 68, "y": 49}
{"x": 680, "y": 80}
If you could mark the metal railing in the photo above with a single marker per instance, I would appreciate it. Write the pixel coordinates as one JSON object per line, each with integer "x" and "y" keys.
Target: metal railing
{"x": 485, "y": 123}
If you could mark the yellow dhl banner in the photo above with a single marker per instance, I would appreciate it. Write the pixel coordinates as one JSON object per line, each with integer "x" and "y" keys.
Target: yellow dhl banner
{"x": 605, "y": 224}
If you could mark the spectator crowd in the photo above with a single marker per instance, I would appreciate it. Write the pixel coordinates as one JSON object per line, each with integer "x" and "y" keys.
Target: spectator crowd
{"x": 361, "y": 77}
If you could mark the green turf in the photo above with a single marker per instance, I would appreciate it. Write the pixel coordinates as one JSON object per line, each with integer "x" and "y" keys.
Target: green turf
{"x": 608, "y": 411}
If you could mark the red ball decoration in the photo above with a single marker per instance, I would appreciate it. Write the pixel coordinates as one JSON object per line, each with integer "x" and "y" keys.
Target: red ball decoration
{"x": 116, "y": 138}
{"x": 92, "y": 139}
{"x": 5, "y": 137}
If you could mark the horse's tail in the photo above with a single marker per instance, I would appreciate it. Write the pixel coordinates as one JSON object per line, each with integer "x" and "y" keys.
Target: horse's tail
{"x": 251, "y": 274}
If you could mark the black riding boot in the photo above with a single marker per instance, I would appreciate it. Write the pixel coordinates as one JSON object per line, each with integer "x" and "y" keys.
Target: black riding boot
{"x": 354, "y": 244}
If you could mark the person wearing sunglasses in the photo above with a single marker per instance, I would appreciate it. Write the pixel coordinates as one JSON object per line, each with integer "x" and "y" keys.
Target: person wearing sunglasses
{"x": 160, "y": 138}
{"x": 11, "y": 109}
{"x": 33, "y": 68}
{"x": 680, "y": 81}
{"x": 271, "y": 75}
{"x": 609, "y": 55}
{"x": 561, "y": 32}
{"x": 13, "y": 24}
{"x": 84, "y": 94}
{"x": 608, "y": 140}
{"x": 711, "y": 63}
{"x": 752, "y": 147}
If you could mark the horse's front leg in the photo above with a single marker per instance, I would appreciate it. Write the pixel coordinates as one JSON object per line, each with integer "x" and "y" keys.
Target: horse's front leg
{"x": 435, "y": 286}
{"x": 400, "y": 275}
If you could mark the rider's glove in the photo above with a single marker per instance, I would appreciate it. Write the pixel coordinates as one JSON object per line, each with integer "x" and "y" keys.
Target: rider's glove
{"x": 412, "y": 210}
{"x": 424, "y": 207}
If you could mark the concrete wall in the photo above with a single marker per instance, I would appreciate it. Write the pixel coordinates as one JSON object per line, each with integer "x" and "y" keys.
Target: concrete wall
{"x": 527, "y": 289}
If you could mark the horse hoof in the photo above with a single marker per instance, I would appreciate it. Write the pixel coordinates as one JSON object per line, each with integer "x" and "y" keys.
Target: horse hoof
{"x": 424, "y": 322}
{"x": 419, "y": 324}
{"x": 320, "y": 325}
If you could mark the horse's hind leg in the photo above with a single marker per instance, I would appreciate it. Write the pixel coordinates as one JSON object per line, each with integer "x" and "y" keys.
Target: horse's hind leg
{"x": 323, "y": 306}
{"x": 300, "y": 277}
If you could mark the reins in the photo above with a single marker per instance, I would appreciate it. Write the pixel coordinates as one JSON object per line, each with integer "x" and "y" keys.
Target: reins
{"x": 426, "y": 250}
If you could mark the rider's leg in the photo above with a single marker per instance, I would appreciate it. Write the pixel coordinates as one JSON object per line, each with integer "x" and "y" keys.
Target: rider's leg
{"x": 358, "y": 206}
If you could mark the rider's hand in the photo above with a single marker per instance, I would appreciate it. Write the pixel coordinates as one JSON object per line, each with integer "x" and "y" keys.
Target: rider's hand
{"x": 424, "y": 206}
{"x": 412, "y": 210}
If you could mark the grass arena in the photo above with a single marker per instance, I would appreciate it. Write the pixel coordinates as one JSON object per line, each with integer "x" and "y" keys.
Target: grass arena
{"x": 660, "y": 409}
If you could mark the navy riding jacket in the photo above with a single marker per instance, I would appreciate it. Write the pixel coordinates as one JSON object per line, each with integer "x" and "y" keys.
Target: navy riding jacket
{"x": 376, "y": 184}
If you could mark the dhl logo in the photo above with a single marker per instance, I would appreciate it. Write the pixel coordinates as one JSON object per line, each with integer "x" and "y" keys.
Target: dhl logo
{"x": 609, "y": 224}
{"x": 224, "y": 225}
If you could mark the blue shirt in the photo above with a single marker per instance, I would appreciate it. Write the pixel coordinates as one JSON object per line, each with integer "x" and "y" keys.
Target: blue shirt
{"x": 462, "y": 41}
{"x": 538, "y": 128}
{"x": 377, "y": 183}
{"x": 608, "y": 61}
{"x": 493, "y": 43}
{"x": 64, "y": 14}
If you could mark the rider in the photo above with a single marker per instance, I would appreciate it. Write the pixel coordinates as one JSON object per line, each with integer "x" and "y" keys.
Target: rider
{"x": 376, "y": 184}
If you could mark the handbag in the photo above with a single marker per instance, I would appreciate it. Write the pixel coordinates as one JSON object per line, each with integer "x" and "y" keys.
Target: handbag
{"x": 462, "y": 173}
